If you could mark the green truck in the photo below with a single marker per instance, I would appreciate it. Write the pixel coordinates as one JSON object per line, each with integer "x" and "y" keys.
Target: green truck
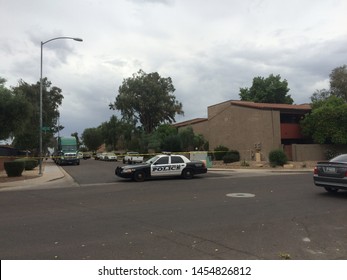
{"x": 67, "y": 151}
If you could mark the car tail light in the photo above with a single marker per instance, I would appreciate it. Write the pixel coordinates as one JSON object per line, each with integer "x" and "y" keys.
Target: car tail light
{"x": 315, "y": 170}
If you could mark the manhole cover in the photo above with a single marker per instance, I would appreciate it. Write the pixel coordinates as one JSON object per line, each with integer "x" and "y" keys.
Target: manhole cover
{"x": 246, "y": 195}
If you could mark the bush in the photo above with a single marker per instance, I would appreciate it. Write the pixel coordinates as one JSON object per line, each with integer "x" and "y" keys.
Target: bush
{"x": 277, "y": 157}
{"x": 14, "y": 168}
{"x": 29, "y": 163}
{"x": 231, "y": 156}
{"x": 220, "y": 152}
{"x": 329, "y": 154}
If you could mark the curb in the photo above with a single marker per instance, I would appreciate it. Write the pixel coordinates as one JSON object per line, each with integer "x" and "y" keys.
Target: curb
{"x": 260, "y": 170}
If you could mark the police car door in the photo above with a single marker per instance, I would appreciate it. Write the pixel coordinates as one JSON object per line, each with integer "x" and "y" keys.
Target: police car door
{"x": 160, "y": 167}
{"x": 177, "y": 164}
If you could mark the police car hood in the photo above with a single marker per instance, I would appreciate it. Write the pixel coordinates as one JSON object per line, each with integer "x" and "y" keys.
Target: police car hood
{"x": 138, "y": 165}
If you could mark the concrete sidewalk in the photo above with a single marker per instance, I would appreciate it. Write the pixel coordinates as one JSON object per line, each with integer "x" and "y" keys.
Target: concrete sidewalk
{"x": 50, "y": 172}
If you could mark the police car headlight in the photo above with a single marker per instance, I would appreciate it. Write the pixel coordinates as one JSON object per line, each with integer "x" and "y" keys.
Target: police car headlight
{"x": 128, "y": 170}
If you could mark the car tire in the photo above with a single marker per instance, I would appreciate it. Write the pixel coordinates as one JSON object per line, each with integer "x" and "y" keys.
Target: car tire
{"x": 187, "y": 173}
{"x": 139, "y": 176}
{"x": 331, "y": 189}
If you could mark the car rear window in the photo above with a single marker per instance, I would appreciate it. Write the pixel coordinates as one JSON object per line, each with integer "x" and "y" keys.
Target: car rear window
{"x": 176, "y": 159}
{"x": 340, "y": 158}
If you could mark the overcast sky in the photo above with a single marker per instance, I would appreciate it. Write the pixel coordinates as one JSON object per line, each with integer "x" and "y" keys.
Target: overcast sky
{"x": 210, "y": 48}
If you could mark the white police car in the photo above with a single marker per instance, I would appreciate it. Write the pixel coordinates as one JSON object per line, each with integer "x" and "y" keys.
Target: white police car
{"x": 161, "y": 166}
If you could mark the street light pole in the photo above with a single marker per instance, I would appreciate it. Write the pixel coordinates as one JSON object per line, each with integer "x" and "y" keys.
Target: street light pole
{"x": 41, "y": 125}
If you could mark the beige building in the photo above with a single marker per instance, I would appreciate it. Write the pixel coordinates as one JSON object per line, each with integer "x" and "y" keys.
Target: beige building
{"x": 253, "y": 129}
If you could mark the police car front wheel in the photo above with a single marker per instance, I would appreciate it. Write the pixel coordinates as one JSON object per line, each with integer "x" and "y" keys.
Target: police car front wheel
{"x": 139, "y": 176}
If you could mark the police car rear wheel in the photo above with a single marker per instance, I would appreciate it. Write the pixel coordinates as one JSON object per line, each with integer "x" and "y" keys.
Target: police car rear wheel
{"x": 187, "y": 173}
{"x": 139, "y": 176}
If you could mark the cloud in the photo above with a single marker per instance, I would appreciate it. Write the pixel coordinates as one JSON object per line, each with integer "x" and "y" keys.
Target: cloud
{"x": 210, "y": 49}
{"x": 142, "y": 2}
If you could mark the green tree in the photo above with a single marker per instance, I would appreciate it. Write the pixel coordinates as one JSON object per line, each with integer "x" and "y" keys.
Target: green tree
{"x": 269, "y": 90}
{"x": 147, "y": 99}
{"x": 14, "y": 111}
{"x": 110, "y": 132}
{"x": 78, "y": 141}
{"x": 187, "y": 138}
{"x": 92, "y": 138}
{"x": 27, "y": 137}
{"x": 319, "y": 95}
{"x": 200, "y": 142}
{"x": 338, "y": 82}
{"x": 172, "y": 143}
{"x": 157, "y": 137}
{"x": 327, "y": 122}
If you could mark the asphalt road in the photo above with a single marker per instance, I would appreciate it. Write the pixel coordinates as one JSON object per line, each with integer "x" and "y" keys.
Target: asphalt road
{"x": 219, "y": 215}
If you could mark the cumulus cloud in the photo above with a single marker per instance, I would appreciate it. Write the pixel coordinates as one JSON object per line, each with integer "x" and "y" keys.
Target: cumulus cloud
{"x": 210, "y": 49}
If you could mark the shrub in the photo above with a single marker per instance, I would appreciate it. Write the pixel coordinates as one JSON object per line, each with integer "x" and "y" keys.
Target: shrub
{"x": 220, "y": 152}
{"x": 329, "y": 154}
{"x": 14, "y": 168}
{"x": 29, "y": 163}
{"x": 231, "y": 156}
{"x": 277, "y": 157}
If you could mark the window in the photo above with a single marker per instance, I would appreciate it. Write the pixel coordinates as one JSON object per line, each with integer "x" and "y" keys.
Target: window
{"x": 162, "y": 160}
{"x": 176, "y": 159}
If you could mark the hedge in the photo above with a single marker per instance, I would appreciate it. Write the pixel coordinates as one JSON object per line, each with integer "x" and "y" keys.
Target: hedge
{"x": 14, "y": 168}
{"x": 220, "y": 152}
{"x": 29, "y": 163}
{"x": 231, "y": 156}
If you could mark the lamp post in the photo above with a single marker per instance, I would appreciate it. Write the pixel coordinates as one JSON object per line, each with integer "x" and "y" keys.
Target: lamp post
{"x": 41, "y": 127}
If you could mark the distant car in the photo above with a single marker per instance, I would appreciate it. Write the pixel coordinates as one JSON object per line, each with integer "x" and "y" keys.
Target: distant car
{"x": 97, "y": 156}
{"x": 162, "y": 166}
{"x": 102, "y": 156}
{"x": 132, "y": 157}
{"x": 110, "y": 157}
{"x": 332, "y": 174}
{"x": 86, "y": 155}
{"x": 67, "y": 158}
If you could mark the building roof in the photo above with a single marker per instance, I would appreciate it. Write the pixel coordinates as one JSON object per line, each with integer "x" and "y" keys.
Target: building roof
{"x": 285, "y": 108}
{"x": 190, "y": 122}
{"x": 271, "y": 106}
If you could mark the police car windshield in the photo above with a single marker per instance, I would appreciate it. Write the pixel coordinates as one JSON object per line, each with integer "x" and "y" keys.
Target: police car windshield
{"x": 153, "y": 159}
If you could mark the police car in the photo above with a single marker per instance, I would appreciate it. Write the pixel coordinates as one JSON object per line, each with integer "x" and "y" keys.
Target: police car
{"x": 161, "y": 166}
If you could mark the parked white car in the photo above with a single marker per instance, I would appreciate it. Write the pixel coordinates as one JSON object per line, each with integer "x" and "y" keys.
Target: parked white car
{"x": 110, "y": 157}
{"x": 132, "y": 157}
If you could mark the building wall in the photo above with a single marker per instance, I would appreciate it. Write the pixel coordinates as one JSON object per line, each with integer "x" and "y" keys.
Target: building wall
{"x": 244, "y": 129}
{"x": 315, "y": 152}
{"x": 198, "y": 128}
{"x": 216, "y": 109}
{"x": 255, "y": 128}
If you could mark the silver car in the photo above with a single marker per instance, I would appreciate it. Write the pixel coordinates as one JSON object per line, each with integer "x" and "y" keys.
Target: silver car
{"x": 331, "y": 175}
